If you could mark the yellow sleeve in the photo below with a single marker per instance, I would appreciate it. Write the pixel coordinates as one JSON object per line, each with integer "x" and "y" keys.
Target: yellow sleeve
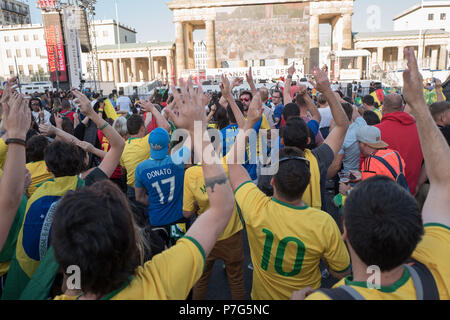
{"x": 3, "y": 153}
{"x": 188, "y": 195}
{"x": 265, "y": 123}
{"x": 175, "y": 271}
{"x": 250, "y": 201}
{"x": 336, "y": 252}
{"x": 109, "y": 110}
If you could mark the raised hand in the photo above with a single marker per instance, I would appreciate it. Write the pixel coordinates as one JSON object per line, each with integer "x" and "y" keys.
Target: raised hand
{"x": 291, "y": 70}
{"x": 16, "y": 117}
{"x": 249, "y": 76}
{"x": 321, "y": 82}
{"x": 47, "y": 129}
{"x": 412, "y": 81}
{"x": 237, "y": 82}
{"x": 302, "y": 90}
{"x": 10, "y": 87}
{"x": 146, "y": 106}
{"x": 225, "y": 86}
{"x": 190, "y": 106}
{"x": 86, "y": 146}
{"x": 83, "y": 103}
{"x": 58, "y": 120}
{"x": 255, "y": 110}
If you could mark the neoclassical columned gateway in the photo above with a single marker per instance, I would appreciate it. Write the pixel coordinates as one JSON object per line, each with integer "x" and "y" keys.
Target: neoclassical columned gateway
{"x": 137, "y": 62}
{"x": 190, "y": 15}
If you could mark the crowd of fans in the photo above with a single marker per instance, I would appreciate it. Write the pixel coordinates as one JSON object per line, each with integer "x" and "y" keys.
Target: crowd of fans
{"x": 143, "y": 209}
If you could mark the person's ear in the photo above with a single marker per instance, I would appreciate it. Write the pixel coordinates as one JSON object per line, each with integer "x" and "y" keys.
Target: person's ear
{"x": 309, "y": 140}
{"x": 282, "y": 141}
{"x": 344, "y": 234}
{"x": 272, "y": 181}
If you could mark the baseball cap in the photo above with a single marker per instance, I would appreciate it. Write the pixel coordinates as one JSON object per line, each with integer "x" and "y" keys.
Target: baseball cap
{"x": 371, "y": 136}
{"x": 159, "y": 143}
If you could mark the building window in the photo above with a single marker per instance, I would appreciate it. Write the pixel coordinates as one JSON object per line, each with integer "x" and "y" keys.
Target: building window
{"x": 11, "y": 70}
{"x": 6, "y": 39}
{"x": 35, "y": 37}
{"x": 30, "y": 69}
{"x": 430, "y": 17}
{"x": 18, "y": 53}
{"x": 38, "y": 52}
{"x": 8, "y": 53}
{"x": 443, "y": 16}
{"x": 28, "y": 52}
{"x": 21, "y": 70}
{"x": 126, "y": 39}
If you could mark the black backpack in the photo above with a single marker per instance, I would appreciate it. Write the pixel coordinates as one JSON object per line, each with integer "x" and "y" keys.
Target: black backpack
{"x": 424, "y": 283}
{"x": 400, "y": 177}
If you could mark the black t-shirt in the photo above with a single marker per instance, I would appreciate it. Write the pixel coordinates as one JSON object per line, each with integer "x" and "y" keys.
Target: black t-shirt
{"x": 446, "y": 132}
{"x": 95, "y": 176}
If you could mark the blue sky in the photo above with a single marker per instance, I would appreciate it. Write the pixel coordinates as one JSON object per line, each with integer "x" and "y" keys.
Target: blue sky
{"x": 153, "y": 20}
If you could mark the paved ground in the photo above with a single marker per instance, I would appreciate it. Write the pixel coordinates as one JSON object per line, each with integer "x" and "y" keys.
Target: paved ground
{"x": 218, "y": 287}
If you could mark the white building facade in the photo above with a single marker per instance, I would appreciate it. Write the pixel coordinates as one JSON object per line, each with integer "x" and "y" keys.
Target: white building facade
{"x": 23, "y": 48}
{"x": 433, "y": 15}
{"x": 200, "y": 55}
{"x": 14, "y": 12}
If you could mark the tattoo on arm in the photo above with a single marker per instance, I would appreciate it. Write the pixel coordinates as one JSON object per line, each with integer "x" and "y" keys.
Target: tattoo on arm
{"x": 211, "y": 182}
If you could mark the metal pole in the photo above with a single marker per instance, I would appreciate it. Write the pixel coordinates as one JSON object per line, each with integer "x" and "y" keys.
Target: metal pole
{"x": 18, "y": 74}
{"x": 118, "y": 41}
{"x": 420, "y": 49}
{"x": 57, "y": 68}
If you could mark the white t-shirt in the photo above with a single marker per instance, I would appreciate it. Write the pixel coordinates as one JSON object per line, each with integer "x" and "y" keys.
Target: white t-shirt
{"x": 47, "y": 116}
{"x": 326, "y": 117}
{"x": 123, "y": 103}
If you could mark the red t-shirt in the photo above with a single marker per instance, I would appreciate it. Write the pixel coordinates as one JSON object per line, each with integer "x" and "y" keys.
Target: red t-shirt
{"x": 68, "y": 114}
{"x": 152, "y": 125}
{"x": 117, "y": 174}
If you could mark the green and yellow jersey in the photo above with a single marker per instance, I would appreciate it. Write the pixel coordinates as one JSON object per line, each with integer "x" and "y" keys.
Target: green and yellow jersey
{"x": 433, "y": 251}
{"x": 287, "y": 243}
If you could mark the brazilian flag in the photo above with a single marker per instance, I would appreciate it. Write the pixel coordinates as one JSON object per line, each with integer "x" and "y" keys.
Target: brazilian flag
{"x": 7, "y": 253}
{"x": 109, "y": 110}
{"x": 34, "y": 239}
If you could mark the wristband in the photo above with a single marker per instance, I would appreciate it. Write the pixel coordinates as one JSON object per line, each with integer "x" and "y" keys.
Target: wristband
{"x": 104, "y": 126}
{"x": 16, "y": 141}
{"x": 289, "y": 76}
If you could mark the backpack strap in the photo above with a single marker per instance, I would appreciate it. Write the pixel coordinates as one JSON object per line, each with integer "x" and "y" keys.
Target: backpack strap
{"x": 387, "y": 165}
{"x": 400, "y": 165}
{"x": 424, "y": 283}
{"x": 342, "y": 293}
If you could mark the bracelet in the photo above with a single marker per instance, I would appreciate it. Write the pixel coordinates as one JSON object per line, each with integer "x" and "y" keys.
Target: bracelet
{"x": 16, "y": 141}
{"x": 104, "y": 126}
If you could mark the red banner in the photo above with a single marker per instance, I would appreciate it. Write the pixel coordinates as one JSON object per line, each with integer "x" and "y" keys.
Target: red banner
{"x": 47, "y": 4}
{"x": 55, "y": 46}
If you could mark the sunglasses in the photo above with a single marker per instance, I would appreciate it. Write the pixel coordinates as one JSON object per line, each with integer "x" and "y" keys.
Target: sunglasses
{"x": 245, "y": 99}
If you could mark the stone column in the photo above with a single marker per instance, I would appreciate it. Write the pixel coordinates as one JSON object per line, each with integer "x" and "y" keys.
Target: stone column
{"x": 134, "y": 72}
{"x": 104, "y": 71}
{"x": 156, "y": 68}
{"x": 313, "y": 42}
{"x": 380, "y": 58}
{"x": 116, "y": 71}
{"x": 211, "y": 44}
{"x": 180, "y": 50}
{"x": 400, "y": 57}
{"x": 150, "y": 68}
{"x": 434, "y": 58}
{"x": 169, "y": 69}
{"x": 443, "y": 57}
{"x": 110, "y": 71}
{"x": 128, "y": 70}
{"x": 122, "y": 70}
{"x": 347, "y": 40}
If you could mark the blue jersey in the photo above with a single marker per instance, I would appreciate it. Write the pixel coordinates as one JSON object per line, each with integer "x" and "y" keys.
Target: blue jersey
{"x": 163, "y": 180}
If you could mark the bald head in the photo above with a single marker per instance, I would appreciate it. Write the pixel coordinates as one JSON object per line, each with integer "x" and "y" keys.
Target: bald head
{"x": 392, "y": 103}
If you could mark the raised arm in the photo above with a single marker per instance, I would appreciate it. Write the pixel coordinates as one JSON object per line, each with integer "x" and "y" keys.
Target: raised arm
{"x": 112, "y": 158}
{"x": 251, "y": 82}
{"x": 336, "y": 137}
{"x": 211, "y": 224}
{"x": 147, "y": 106}
{"x": 438, "y": 88}
{"x": 434, "y": 146}
{"x": 287, "y": 85}
{"x": 315, "y": 114}
{"x": 227, "y": 93}
{"x": 235, "y": 159}
{"x": 16, "y": 120}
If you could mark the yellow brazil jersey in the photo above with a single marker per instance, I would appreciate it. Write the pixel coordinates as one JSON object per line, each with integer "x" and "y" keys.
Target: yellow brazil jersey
{"x": 39, "y": 173}
{"x": 433, "y": 251}
{"x": 136, "y": 150}
{"x": 168, "y": 276}
{"x": 287, "y": 243}
{"x": 3, "y": 153}
{"x": 378, "y": 112}
{"x": 195, "y": 192}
